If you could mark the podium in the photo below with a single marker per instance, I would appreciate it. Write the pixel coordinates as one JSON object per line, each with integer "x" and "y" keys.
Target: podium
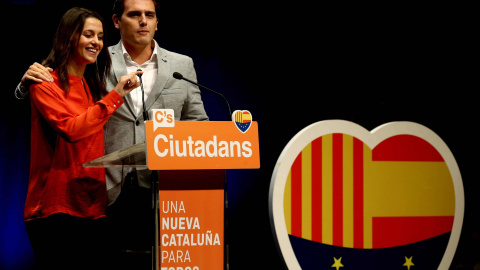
{"x": 188, "y": 161}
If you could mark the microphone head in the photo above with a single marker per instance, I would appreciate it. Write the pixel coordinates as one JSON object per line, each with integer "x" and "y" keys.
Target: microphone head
{"x": 177, "y": 75}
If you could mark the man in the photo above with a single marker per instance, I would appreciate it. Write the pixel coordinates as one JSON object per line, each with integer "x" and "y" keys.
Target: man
{"x": 131, "y": 214}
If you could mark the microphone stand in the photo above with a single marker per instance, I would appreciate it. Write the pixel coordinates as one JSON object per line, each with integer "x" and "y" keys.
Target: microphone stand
{"x": 155, "y": 194}
{"x": 226, "y": 262}
{"x": 145, "y": 114}
{"x": 179, "y": 76}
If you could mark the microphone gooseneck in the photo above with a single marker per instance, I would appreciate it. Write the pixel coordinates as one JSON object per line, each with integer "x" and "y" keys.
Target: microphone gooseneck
{"x": 145, "y": 114}
{"x": 179, "y": 76}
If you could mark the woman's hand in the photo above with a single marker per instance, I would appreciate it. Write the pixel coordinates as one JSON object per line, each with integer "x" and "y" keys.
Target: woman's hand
{"x": 127, "y": 83}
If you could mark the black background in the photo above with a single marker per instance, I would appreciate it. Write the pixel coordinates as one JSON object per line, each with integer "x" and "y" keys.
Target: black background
{"x": 291, "y": 64}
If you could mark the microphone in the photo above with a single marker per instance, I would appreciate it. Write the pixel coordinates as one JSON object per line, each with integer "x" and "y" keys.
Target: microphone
{"x": 145, "y": 114}
{"x": 179, "y": 76}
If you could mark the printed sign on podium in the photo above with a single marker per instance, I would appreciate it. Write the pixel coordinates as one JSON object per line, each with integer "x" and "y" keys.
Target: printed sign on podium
{"x": 191, "y": 158}
{"x": 202, "y": 145}
{"x": 191, "y": 229}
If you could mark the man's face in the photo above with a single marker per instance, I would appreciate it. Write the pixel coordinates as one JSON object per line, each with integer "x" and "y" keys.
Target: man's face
{"x": 138, "y": 22}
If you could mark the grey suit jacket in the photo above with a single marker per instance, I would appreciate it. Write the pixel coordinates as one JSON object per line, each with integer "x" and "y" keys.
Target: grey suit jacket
{"x": 125, "y": 127}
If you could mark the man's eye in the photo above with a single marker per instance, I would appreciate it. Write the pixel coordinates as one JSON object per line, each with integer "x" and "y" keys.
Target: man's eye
{"x": 134, "y": 14}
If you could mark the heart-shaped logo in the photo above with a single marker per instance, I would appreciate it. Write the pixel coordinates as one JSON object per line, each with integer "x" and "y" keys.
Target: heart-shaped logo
{"x": 242, "y": 119}
{"x": 341, "y": 196}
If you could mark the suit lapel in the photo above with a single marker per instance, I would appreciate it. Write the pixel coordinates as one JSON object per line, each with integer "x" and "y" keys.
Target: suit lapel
{"x": 120, "y": 69}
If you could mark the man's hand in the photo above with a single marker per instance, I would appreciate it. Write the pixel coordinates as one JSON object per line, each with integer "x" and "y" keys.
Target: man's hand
{"x": 36, "y": 73}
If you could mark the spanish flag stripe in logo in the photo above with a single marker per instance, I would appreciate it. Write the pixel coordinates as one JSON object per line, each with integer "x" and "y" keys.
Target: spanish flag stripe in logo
{"x": 327, "y": 187}
{"x": 317, "y": 190}
{"x": 246, "y": 117}
{"x": 307, "y": 192}
{"x": 337, "y": 173}
{"x": 405, "y": 148}
{"x": 297, "y": 196}
{"x": 358, "y": 179}
{"x": 347, "y": 191}
{"x": 397, "y": 231}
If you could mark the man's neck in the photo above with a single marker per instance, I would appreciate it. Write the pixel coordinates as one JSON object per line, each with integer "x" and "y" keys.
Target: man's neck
{"x": 139, "y": 54}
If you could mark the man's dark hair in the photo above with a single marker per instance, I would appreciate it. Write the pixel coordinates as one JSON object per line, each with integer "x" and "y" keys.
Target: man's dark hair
{"x": 119, "y": 7}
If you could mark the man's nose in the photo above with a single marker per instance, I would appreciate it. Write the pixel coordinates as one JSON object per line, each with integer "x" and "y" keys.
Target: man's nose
{"x": 143, "y": 19}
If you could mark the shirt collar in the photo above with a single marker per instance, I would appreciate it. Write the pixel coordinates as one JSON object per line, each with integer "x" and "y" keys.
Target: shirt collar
{"x": 153, "y": 57}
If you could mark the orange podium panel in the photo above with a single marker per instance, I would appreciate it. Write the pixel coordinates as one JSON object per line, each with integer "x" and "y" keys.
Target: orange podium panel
{"x": 191, "y": 219}
{"x": 202, "y": 145}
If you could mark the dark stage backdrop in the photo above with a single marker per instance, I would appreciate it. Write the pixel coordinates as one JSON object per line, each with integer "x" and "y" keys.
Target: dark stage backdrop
{"x": 290, "y": 65}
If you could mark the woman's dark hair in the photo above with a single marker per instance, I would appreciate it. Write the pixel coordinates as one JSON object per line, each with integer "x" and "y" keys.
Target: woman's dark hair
{"x": 64, "y": 43}
{"x": 119, "y": 7}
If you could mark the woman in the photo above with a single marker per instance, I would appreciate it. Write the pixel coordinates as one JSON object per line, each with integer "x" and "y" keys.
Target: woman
{"x": 66, "y": 203}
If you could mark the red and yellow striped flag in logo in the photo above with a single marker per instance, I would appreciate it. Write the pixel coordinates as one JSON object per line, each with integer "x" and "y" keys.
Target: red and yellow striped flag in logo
{"x": 342, "y": 193}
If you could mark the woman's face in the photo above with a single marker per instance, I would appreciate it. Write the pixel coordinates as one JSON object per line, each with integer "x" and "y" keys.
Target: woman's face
{"x": 90, "y": 42}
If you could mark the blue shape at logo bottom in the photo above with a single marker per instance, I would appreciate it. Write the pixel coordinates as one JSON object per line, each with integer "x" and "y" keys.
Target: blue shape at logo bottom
{"x": 426, "y": 254}
{"x": 243, "y": 126}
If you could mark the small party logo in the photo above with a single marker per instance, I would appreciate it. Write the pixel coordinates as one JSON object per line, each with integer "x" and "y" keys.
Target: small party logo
{"x": 242, "y": 119}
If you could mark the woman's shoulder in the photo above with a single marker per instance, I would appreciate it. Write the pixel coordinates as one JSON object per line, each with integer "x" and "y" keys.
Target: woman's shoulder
{"x": 46, "y": 86}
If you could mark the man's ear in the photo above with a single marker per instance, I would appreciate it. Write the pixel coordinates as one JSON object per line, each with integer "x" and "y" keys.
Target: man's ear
{"x": 115, "y": 20}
